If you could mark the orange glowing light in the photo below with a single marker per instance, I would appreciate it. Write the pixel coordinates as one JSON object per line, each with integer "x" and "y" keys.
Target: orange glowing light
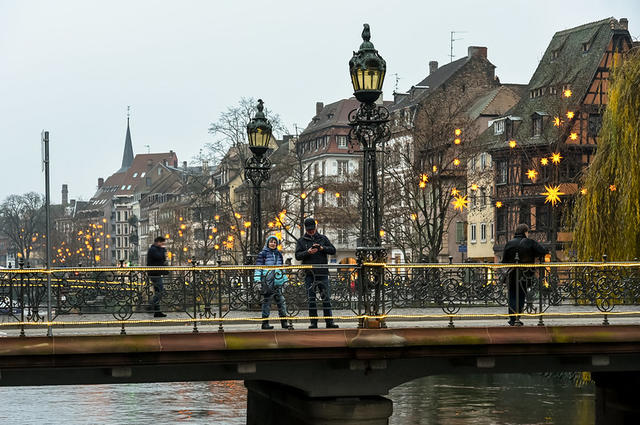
{"x": 498, "y": 204}
{"x": 237, "y": 215}
{"x": 570, "y": 115}
{"x": 303, "y": 195}
{"x": 216, "y": 217}
{"x": 454, "y": 191}
{"x": 424, "y": 178}
{"x": 422, "y": 185}
{"x": 474, "y": 187}
{"x": 567, "y": 93}
{"x": 556, "y": 157}
{"x": 180, "y": 219}
{"x": 382, "y": 233}
{"x": 271, "y": 224}
{"x": 457, "y": 141}
{"x": 583, "y": 191}
{"x": 612, "y": 187}
{"x": 552, "y": 194}
{"x": 185, "y": 249}
{"x": 556, "y": 121}
{"x": 544, "y": 161}
{"x": 247, "y": 224}
{"x": 183, "y": 226}
{"x": 166, "y": 236}
{"x": 512, "y": 144}
{"x": 457, "y": 132}
{"x": 337, "y": 194}
{"x": 414, "y": 216}
{"x": 456, "y": 162}
{"x": 573, "y": 136}
{"x": 435, "y": 168}
{"x": 321, "y": 190}
{"x": 532, "y": 174}
{"x": 460, "y": 202}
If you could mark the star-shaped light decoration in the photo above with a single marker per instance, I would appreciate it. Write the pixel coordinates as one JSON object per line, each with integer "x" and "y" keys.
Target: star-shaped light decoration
{"x": 456, "y": 162}
{"x": 612, "y": 187}
{"x": 321, "y": 190}
{"x": 457, "y": 141}
{"x": 552, "y": 194}
{"x": 570, "y": 114}
{"x": 454, "y": 192}
{"x": 434, "y": 168}
{"x": 459, "y": 202}
{"x": 557, "y": 121}
{"x": 512, "y": 144}
{"x": 414, "y": 216}
{"x": 474, "y": 187}
{"x": 573, "y": 136}
{"x": 457, "y": 132}
{"x": 532, "y": 174}
{"x": 583, "y": 191}
{"x": 567, "y": 93}
{"x": 498, "y": 204}
{"x": 544, "y": 161}
{"x": 556, "y": 157}
{"x": 422, "y": 184}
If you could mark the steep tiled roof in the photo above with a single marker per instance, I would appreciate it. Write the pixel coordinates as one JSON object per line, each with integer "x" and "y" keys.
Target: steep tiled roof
{"x": 331, "y": 115}
{"x": 125, "y": 183}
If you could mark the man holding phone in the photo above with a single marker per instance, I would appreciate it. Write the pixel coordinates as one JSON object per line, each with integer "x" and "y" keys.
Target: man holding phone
{"x": 313, "y": 248}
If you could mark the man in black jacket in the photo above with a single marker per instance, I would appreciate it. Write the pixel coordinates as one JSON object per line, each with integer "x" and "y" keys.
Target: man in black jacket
{"x": 521, "y": 250}
{"x": 157, "y": 257}
{"x": 313, "y": 248}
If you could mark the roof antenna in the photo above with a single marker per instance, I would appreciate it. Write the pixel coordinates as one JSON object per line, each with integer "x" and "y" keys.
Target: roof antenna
{"x": 128, "y": 112}
{"x": 148, "y": 148}
{"x": 453, "y": 33}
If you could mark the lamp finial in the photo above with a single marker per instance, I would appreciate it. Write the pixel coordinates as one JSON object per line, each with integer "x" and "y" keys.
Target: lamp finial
{"x": 366, "y": 33}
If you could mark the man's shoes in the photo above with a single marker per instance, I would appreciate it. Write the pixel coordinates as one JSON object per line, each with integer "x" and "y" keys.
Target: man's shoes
{"x": 284, "y": 324}
{"x": 159, "y": 314}
{"x": 515, "y": 323}
{"x": 266, "y": 325}
{"x": 313, "y": 326}
{"x": 519, "y": 323}
{"x": 332, "y": 326}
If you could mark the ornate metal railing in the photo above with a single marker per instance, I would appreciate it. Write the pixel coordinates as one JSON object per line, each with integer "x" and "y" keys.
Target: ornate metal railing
{"x": 229, "y": 293}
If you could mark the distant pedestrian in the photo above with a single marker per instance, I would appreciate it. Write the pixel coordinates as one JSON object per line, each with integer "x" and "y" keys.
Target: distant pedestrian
{"x": 520, "y": 250}
{"x": 272, "y": 281}
{"x": 313, "y": 248}
{"x": 157, "y": 257}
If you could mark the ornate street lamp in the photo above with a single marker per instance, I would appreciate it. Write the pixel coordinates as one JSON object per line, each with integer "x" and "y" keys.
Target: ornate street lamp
{"x": 256, "y": 170}
{"x": 369, "y": 127}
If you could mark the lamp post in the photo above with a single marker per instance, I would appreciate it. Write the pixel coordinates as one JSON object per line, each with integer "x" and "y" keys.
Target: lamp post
{"x": 369, "y": 127}
{"x": 256, "y": 170}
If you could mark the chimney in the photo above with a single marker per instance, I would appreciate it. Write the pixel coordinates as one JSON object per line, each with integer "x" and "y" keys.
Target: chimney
{"x": 100, "y": 182}
{"x": 149, "y": 163}
{"x": 433, "y": 65}
{"x": 65, "y": 195}
{"x": 319, "y": 106}
{"x": 624, "y": 23}
{"x": 477, "y": 51}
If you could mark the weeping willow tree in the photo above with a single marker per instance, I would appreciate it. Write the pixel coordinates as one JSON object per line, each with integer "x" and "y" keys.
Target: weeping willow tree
{"x": 607, "y": 214}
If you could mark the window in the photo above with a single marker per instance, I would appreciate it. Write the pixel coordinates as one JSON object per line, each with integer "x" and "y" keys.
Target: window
{"x": 473, "y": 233}
{"x": 342, "y": 141}
{"x": 316, "y": 170}
{"x": 498, "y": 127}
{"x": 343, "y": 236}
{"x": 325, "y": 141}
{"x": 474, "y": 200}
{"x": 129, "y": 187}
{"x": 482, "y": 197}
{"x": 159, "y": 171}
{"x": 492, "y": 232}
{"x": 537, "y": 125}
{"x": 135, "y": 175}
{"x": 555, "y": 54}
{"x": 343, "y": 200}
{"x": 123, "y": 186}
{"x": 118, "y": 229}
{"x": 461, "y": 232}
{"x": 502, "y": 172}
{"x": 118, "y": 216}
{"x": 126, "y": 215}
{"x": 142, "y": 175}
{"x": 501, "y": 217}
{"x": 343, "y": 168}
{"x": 542, "y": 217}
{"x": 525, "y": 215}
{"x": 483, "y": 161}
{"x": 483, "y": 232}
{"x": 147, "y": 181}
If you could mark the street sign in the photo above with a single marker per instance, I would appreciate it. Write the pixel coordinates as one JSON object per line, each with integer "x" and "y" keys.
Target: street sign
{"x": 462, "y": 248}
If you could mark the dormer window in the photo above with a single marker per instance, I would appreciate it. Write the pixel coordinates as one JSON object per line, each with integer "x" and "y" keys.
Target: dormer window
{"x": 330, "y": 115}
{"x": 498, "y": 127}
{"x": 586, "y": 46}
{"x": 537, "y": 125}
{"x": 555, "y": 54}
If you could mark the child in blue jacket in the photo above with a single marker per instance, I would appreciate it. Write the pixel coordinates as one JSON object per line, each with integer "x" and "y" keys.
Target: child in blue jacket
{"x": 272, "y": 281}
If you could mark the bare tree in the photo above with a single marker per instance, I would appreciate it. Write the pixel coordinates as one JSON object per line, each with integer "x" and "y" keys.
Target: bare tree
{"x": 22, "y": 221}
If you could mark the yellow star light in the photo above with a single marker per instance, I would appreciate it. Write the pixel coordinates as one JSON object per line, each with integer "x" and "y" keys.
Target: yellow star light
{"x": 460, "y": 202}
{"x": 321, "y": 190}
{"x": 382, "y": 233}
{"x": 474, "y": 187}
{"x": 556, "y": 121}
{"x": 303, "y": 195}
{"x": 612, "y": 187}
{"x": 247, "y": 224}
{"x": 435, "y": 168}
{"x": 337, "y": 194}
{"x": 457, "y": 132}
{"x": 570, "y": 114}
{"x": 583, "y": 191}
{"x": 414, "y": 216}
{"x": 422, "y": 184}
{"x": 457, "y": 141}
{"x": 424, "y": 178}
{"x": 567, "y": 93}
{"x": 556, "y": 157}
{"x": 532, "y": 174}
{"x": 454, "y": 192}
{"x": 456, "y": 162}
{"x": 512, "y": 144}
{"x": 498, "y": 204}
{"x": 552, "y": 194}
{"x": 544, "y": 161}
{"x": 573, "y": 136}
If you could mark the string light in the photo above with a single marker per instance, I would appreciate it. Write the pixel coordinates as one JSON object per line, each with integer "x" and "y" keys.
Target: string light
{"x": 321, "y": 190}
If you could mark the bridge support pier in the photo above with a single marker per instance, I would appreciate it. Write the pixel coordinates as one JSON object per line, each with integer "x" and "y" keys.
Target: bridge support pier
{"x": 617, "y": 397}
{"x": 269, "y": 403}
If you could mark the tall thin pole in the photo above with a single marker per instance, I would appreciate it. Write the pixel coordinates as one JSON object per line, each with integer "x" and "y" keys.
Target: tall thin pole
{"x": 47, "y": 209}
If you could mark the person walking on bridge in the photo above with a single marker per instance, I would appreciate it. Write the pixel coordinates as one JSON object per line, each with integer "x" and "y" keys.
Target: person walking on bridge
{"x": 523, "y": 250}
{"x": 272, "y": 281}
{"x": 157, "y": 257}
{"x": 313, "y": 248}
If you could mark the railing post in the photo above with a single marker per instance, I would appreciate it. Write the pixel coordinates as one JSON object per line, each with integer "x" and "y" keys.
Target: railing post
{"x": 22, "y": 301}
{"x": 540, "y": 289}
{"x": 516, "y": 307}
{"x": 219, "y": 282}
{"x": 605, "y": 320}
{"x": 194, "y": 285}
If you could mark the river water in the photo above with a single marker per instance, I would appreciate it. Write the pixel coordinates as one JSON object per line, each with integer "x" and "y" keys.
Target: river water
{"x": 450, "y": 400}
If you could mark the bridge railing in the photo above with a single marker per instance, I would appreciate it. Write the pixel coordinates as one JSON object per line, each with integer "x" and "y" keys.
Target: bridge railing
{"x": 222, "y": 294}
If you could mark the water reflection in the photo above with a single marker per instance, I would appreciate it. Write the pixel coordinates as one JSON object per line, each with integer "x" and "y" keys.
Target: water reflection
{"x": 492, "y": 400}
{"x": 448, "y": 400}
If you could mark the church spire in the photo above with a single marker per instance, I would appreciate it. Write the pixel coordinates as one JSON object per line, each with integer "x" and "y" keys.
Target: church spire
{"x": 127, "y": 156}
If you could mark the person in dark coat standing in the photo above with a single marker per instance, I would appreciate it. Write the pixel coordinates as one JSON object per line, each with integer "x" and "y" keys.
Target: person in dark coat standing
{"x": 157, "y": 257}
{"x": 520, "y": 250}
{"x": 313, "y": 248}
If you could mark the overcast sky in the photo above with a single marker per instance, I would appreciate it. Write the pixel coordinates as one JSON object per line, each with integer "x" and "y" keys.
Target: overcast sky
{"x": 72, "y": 67}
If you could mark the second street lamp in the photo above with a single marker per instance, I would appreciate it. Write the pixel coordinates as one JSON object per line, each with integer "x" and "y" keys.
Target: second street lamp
{"x": 256, "y": 170}
{"x": 369, "y": 127}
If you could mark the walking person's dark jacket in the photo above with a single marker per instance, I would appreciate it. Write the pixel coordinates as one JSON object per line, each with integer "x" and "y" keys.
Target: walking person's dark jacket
{"x": 157, "y": 257}
{"x": 527, "y": 249}
{"x": 320, "y": 257}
